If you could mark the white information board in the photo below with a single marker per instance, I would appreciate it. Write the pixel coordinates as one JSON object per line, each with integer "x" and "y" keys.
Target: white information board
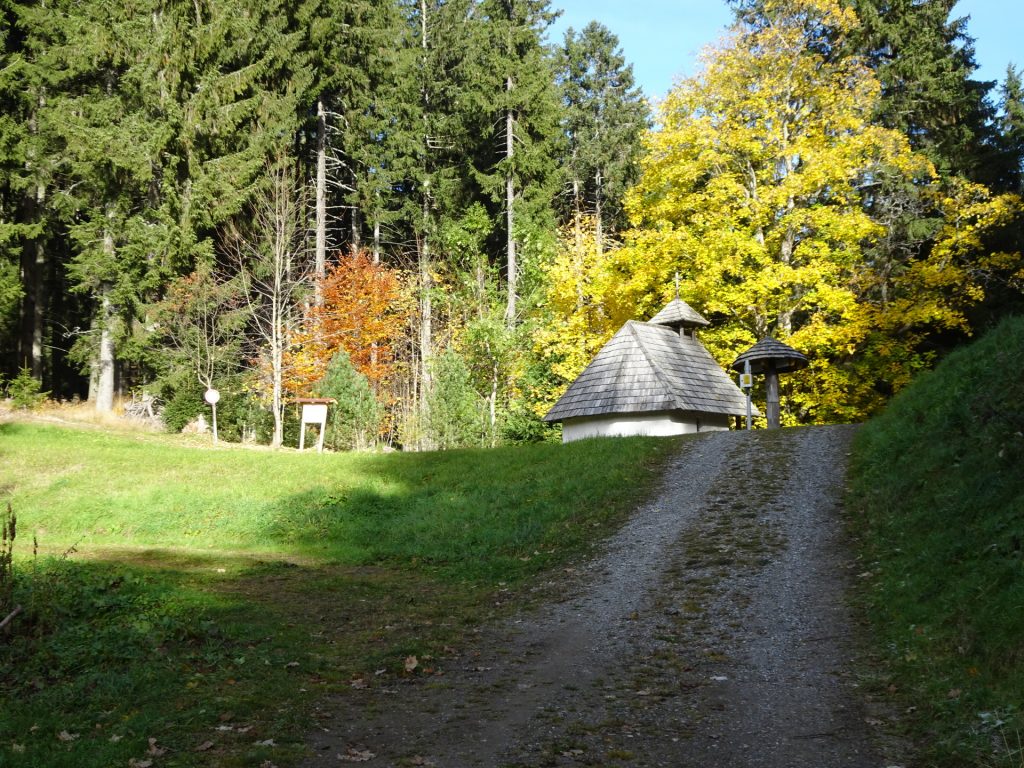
{"x": 313, "y": 413}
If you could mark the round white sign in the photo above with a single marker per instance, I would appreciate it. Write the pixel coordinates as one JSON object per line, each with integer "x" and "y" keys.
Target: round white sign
{"x": 212, "y": 396}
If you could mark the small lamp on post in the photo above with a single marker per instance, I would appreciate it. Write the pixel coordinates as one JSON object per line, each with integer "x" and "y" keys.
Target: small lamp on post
{"x": 212, "y": 396}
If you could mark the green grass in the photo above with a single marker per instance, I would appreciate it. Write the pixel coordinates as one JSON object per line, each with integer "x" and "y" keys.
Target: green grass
{"x": 469, "y": 514}
{"x": 938, "y": 497}
{"x": 217, "y": 595}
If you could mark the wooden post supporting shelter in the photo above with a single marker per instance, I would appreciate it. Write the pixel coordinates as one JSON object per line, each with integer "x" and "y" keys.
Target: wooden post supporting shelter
{"x": 770, "y": 358}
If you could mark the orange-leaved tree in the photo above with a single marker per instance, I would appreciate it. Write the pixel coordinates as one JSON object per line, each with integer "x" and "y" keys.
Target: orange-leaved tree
{"x": 364, "y": 310}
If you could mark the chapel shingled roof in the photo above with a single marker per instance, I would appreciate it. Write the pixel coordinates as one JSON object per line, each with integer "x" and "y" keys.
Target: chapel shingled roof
{"x": 678, "y": 313}
{"x": 648, "y": 367}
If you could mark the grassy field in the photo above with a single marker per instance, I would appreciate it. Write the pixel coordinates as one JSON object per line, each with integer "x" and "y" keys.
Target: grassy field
{"x": 938, "y": 501}
{"x": 216, "y": 595}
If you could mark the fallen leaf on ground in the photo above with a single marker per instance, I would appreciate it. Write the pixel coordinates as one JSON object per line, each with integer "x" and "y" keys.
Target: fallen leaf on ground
{"x": 65, "y": 736}
{"x": 572, "y": 753}
{"x": 954, "y": 693}
{"x": 420, "y": 760}
{"x": 411, "y": 662}
{"x": 115, "y": 738}
{"x": 133, "y": 763}
{"x": 359, "y": 683}
{"x": 354, "y": 755}
{"x": 204, "y": 746}
{"x": 266, "y": 743}
{"x": 17, "y": 748}
{"x": 154, "y": 750}
{"x": 292, "y": 664}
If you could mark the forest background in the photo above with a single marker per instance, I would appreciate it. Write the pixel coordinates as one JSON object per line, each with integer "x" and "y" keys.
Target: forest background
{"x": 427, "y": 211}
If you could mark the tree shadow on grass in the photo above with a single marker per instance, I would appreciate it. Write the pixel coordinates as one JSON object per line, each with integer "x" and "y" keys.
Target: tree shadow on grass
{"x": 189, "y": 648}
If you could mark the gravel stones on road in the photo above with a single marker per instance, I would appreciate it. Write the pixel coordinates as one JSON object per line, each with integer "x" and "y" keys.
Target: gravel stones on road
{"x": 712, "y": 631}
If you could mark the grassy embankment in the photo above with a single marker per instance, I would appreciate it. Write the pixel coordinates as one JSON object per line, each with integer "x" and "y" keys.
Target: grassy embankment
{"x": 217, "y": 595}
{"x": 938, "y": 498}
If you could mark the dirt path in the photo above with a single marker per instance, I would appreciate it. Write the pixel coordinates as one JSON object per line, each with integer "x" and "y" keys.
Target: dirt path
{"x": 712, "y": 632}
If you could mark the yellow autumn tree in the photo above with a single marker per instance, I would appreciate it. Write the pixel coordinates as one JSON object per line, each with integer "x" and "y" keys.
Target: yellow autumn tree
{"x": 756, "y": 188}
{"x": 581, "y": 307}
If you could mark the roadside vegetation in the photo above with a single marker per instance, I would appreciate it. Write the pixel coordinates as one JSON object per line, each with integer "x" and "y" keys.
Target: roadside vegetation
{"x": 192, "y": 606}
{"x": 938, "y": 499}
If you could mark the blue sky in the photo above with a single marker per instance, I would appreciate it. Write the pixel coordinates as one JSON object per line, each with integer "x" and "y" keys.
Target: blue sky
{"x": 662, "y": 38}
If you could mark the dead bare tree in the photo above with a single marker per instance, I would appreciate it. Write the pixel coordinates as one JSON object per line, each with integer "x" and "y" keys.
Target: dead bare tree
{"x": 202, "y": 321}
{"x": 272, "y": 262}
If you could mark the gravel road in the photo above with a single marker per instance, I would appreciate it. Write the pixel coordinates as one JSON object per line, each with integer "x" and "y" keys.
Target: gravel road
{"x": 711, "y": 632}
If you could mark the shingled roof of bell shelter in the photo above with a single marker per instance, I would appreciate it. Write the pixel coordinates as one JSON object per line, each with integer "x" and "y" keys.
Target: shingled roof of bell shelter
{"x": 768, "y": 351}
{"x": 678, "y": 313}
{"x": 649, "y": 367}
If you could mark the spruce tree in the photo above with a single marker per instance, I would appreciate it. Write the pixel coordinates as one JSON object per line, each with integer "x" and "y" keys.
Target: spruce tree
{"x": 424, "y": 155}
{"x": 27, "y": 166}
{"x": 603, "y": 120}
{"x": 925, "y": 62}
{"x": 352, "y": 47}
{"x": 12, "y": 137}
{"x": 1011, "y": 129}
{"x": 518, "y": 124}
{"x": 162, "y": 115}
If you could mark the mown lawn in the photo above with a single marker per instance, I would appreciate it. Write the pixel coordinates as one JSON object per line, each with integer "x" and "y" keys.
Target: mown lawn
{"x": 215, "y": 595}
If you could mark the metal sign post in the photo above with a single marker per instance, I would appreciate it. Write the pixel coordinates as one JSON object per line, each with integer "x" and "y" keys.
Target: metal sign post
{"x": 212, "y": 396}
{"x": 747, "y": 384}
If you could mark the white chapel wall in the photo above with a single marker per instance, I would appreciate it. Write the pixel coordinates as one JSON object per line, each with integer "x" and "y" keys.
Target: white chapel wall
{"x": 656, "y": 424}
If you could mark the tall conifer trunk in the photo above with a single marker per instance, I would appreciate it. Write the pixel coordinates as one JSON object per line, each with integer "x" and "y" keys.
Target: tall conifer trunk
{"x": 426, "y": 306}
{"x": 510, "y": 198}
{"x": 376, "y": 238}
{"x": 33, "y": 273}
{"x": 39, "y": 303}
{"x": 104, "y": 393}
{"x": 423, "y": 242}
{"x": 320, "y": 263}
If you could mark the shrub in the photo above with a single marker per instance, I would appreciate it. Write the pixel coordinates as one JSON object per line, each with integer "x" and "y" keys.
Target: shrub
{"x": 455, "y": 410}
{"x": 353, "y": 422}
{"x": 184, "y": 404}
{"x": 523, "y": 426}
{"x": 25, "y": 391}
